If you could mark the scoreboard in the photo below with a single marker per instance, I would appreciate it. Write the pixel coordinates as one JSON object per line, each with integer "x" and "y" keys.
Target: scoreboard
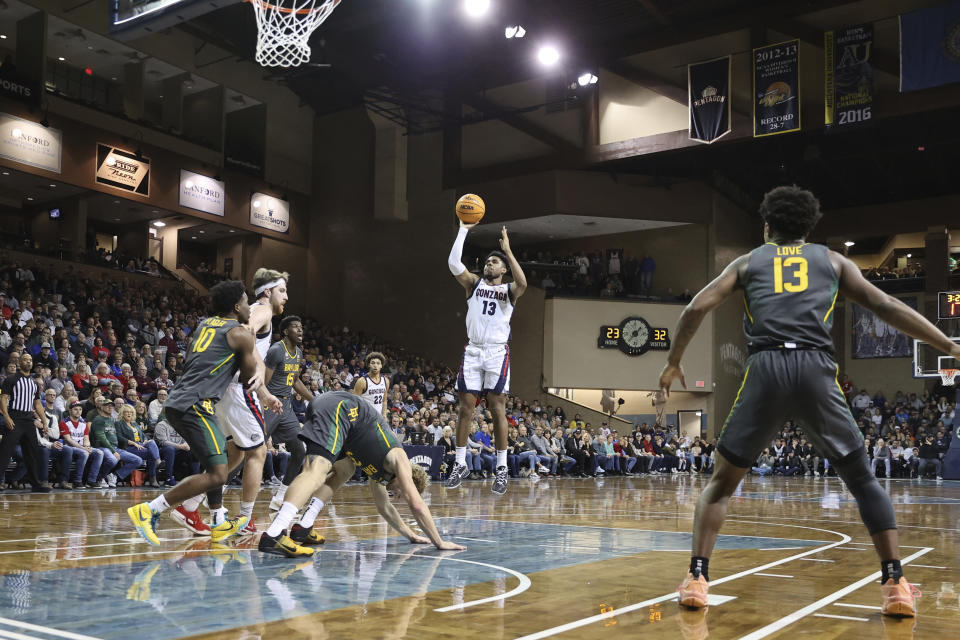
{"x": 948, "y": 305}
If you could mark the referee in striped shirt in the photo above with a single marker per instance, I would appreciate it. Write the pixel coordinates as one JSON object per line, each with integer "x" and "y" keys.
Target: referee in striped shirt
{"x": 20, "y": 405}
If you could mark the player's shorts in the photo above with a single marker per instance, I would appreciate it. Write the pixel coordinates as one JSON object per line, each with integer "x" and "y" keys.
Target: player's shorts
{"x": 484, "y": 369}
{"x": 241, "y": 417}
{"x": 198, "y": 426}
{"x": 789, "y": 384}
{"x": 283, "y": 426}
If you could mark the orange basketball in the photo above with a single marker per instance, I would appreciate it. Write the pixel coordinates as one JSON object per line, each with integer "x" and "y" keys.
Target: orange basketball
{"x": 470, "y": 208}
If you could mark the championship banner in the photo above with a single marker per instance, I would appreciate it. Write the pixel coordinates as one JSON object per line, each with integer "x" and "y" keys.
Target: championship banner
{"x": 708, "y": 87}
{"x": 123, "y": 170}
{"x": 848, "y": 95}
{"x": 930, "y": 47}
{"x": 776, "y": 89}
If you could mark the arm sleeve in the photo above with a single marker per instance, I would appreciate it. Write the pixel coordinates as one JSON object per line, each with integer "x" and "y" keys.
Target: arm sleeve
{"x": 456, "y": 253}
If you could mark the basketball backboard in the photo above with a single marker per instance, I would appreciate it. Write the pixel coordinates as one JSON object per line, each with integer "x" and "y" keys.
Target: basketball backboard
{"x": 928, "y": 361}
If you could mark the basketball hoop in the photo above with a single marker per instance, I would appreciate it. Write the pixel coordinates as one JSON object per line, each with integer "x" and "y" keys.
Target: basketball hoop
{"x": 284, "y": 28}
{"x": 949, "y": 376}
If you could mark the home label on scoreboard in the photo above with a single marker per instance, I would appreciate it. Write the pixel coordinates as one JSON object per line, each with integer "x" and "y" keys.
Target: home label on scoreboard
{"x": 634, "y": 337}
{"x": 948, "y": 305}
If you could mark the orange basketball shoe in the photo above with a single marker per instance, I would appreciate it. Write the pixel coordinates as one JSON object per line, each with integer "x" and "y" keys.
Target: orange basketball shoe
{"x": 898, "y": 598}
{"x": 693, "y": 591}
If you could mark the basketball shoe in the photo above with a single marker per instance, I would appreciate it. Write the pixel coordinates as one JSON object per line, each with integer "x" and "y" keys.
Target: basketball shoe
{"x": 898, "y": 598}
{"x": 282, "y": 546}
{"x": 190, "y": 520}
{"x": 457, "y": 474}
{"x": 500, "y": 481}
{"x": 145, "y": 520}
{"x": 693, "y": 591}
{"x": 249, "y": 529}
{"x": 305, "y": 535}
{"x": 228, "y": 528}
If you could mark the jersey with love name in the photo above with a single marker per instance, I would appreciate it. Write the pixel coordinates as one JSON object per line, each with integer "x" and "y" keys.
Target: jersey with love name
{"x": 489, "y": 309}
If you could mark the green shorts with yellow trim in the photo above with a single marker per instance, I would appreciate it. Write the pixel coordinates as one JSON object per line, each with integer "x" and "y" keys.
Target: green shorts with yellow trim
{"x": 198, "y": 426}
{"x": 789, "y": 384}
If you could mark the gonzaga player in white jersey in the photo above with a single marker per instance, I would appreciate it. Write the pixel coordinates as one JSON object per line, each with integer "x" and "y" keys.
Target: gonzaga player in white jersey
{"x": 373, "y": 386}
{"x": 485, "y": 368}
{"x": 240, "y": 412}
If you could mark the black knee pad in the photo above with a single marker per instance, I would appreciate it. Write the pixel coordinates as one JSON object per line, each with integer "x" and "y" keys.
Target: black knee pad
{"x": 876, "y": 509}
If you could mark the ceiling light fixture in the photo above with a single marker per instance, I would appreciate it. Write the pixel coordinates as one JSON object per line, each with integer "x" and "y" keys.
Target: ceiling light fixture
{"x": 6, "y": 173}
{"x": 62, "y": 59}
{"x": 476, "y": 8}
{"x": 548, "y": 55}
{"x": 158, "y": 223}
{"x": 3, "y": 36}
{"x": 586, "y": 79}
{"x": 849, "y": 243}
{"x": 909, "y": 255}
{"x": 514, "y": 32}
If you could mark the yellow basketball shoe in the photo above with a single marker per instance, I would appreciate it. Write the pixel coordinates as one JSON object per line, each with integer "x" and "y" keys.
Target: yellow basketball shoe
{"x": 305, "y": 535}
{"x": 282, "y": 546}
{"x": 228, "y": 528}
{"x": 144, "y": 519}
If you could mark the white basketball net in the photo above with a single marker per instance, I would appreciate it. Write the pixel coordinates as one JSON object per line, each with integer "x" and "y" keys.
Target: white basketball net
{"x": 949, "y": 376}
{"x": 284, "y": 28}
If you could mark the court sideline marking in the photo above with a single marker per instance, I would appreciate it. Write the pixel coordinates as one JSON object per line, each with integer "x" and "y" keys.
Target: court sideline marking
{"x": 50, "y": 631}
{"x": 844, "y": 538}
{"x": 789, "y": 619}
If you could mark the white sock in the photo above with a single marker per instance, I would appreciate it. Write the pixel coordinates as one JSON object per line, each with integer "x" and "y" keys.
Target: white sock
{"x": 217, "y": 516}
{"x": 246, "y": 509}
{"x": 192, "y": 504}
{"x": 462, "y": 456}
{"x": 285, "y": 516}
{"x": 281, "y": 492}
{"x": 501, "y": 457}
{"x": 310, "y": 515}
{"x": 159, "y": 504}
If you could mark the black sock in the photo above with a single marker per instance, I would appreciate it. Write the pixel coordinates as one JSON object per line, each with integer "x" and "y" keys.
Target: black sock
{"x": 890, "y": 569}
{"x": 700, "y": 567}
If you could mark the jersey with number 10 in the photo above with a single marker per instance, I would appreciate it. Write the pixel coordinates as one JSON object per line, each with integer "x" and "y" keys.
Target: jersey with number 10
{"x": 489, "y": 309}
{"x": 790, "y": 292}
{"x": 209, "y": 367}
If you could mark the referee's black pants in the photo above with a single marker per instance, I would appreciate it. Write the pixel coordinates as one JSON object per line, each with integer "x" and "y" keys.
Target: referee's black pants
{"x": 24, "y": 433}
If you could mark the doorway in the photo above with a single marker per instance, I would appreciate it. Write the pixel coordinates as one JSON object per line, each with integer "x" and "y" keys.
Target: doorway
{"x": 690, "y": 423}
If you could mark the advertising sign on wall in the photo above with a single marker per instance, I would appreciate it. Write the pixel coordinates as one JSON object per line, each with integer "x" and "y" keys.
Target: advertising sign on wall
{"x": 123, "y": 169}
{"x": 270, "y": 213}
{"x": 30, "y": 143}
{"x": 201, "y": 192}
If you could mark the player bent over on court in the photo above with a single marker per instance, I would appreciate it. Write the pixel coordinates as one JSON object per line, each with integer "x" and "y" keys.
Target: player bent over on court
{"x": 485, "y": 368}
{"x": 221, "y": 347}
{"x": 342, "y": 425}
{"x": 790, "y": 289}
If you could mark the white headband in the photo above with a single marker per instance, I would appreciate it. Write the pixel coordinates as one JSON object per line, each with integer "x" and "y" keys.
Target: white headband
{"x": 269, "y": 285}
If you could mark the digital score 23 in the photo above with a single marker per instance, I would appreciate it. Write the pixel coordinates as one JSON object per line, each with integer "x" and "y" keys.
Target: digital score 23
{"x": 634, "y": 337}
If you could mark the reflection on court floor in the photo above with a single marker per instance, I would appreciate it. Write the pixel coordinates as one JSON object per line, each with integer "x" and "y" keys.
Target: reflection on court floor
{"x": 197, "y": 589}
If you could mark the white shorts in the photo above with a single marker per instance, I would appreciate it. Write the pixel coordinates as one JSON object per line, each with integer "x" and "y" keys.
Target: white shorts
{"x": 240, "y": 417}
{"x": 484, "y": 369}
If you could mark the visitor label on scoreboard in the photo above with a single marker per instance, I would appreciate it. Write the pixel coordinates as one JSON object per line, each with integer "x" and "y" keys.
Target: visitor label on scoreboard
{"x": 776, "y": 89}
{"x": 123, "y": 169}
{"x": 270, "y": 213}
{"x": 201, "y": 192}
{"x": 848, "y": 69}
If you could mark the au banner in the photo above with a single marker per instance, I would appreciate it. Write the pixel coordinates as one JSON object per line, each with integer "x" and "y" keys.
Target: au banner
{"x": 848, "y": 95}
{"x": 708, "y": 86}
{"x": 930, "y": 47}
{"x": 776, "y": 89}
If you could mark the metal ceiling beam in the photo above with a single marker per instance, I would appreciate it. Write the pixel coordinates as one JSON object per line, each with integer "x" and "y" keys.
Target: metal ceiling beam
{"x": 518, "y": 122}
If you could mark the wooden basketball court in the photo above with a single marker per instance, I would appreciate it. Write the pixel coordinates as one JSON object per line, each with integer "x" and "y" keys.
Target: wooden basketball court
{"x": 566, "y": 558}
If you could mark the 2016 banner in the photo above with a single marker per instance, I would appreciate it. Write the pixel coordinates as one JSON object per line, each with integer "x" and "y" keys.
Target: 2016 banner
{"x": 708, "y": 87}
{"x": 848, "y": 95}
{"x": 776, "y": 89}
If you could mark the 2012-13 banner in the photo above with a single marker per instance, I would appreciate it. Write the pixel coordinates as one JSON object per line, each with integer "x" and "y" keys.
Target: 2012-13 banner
{"x": 848, "y": 95}
{"x": 776, "y": 88}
